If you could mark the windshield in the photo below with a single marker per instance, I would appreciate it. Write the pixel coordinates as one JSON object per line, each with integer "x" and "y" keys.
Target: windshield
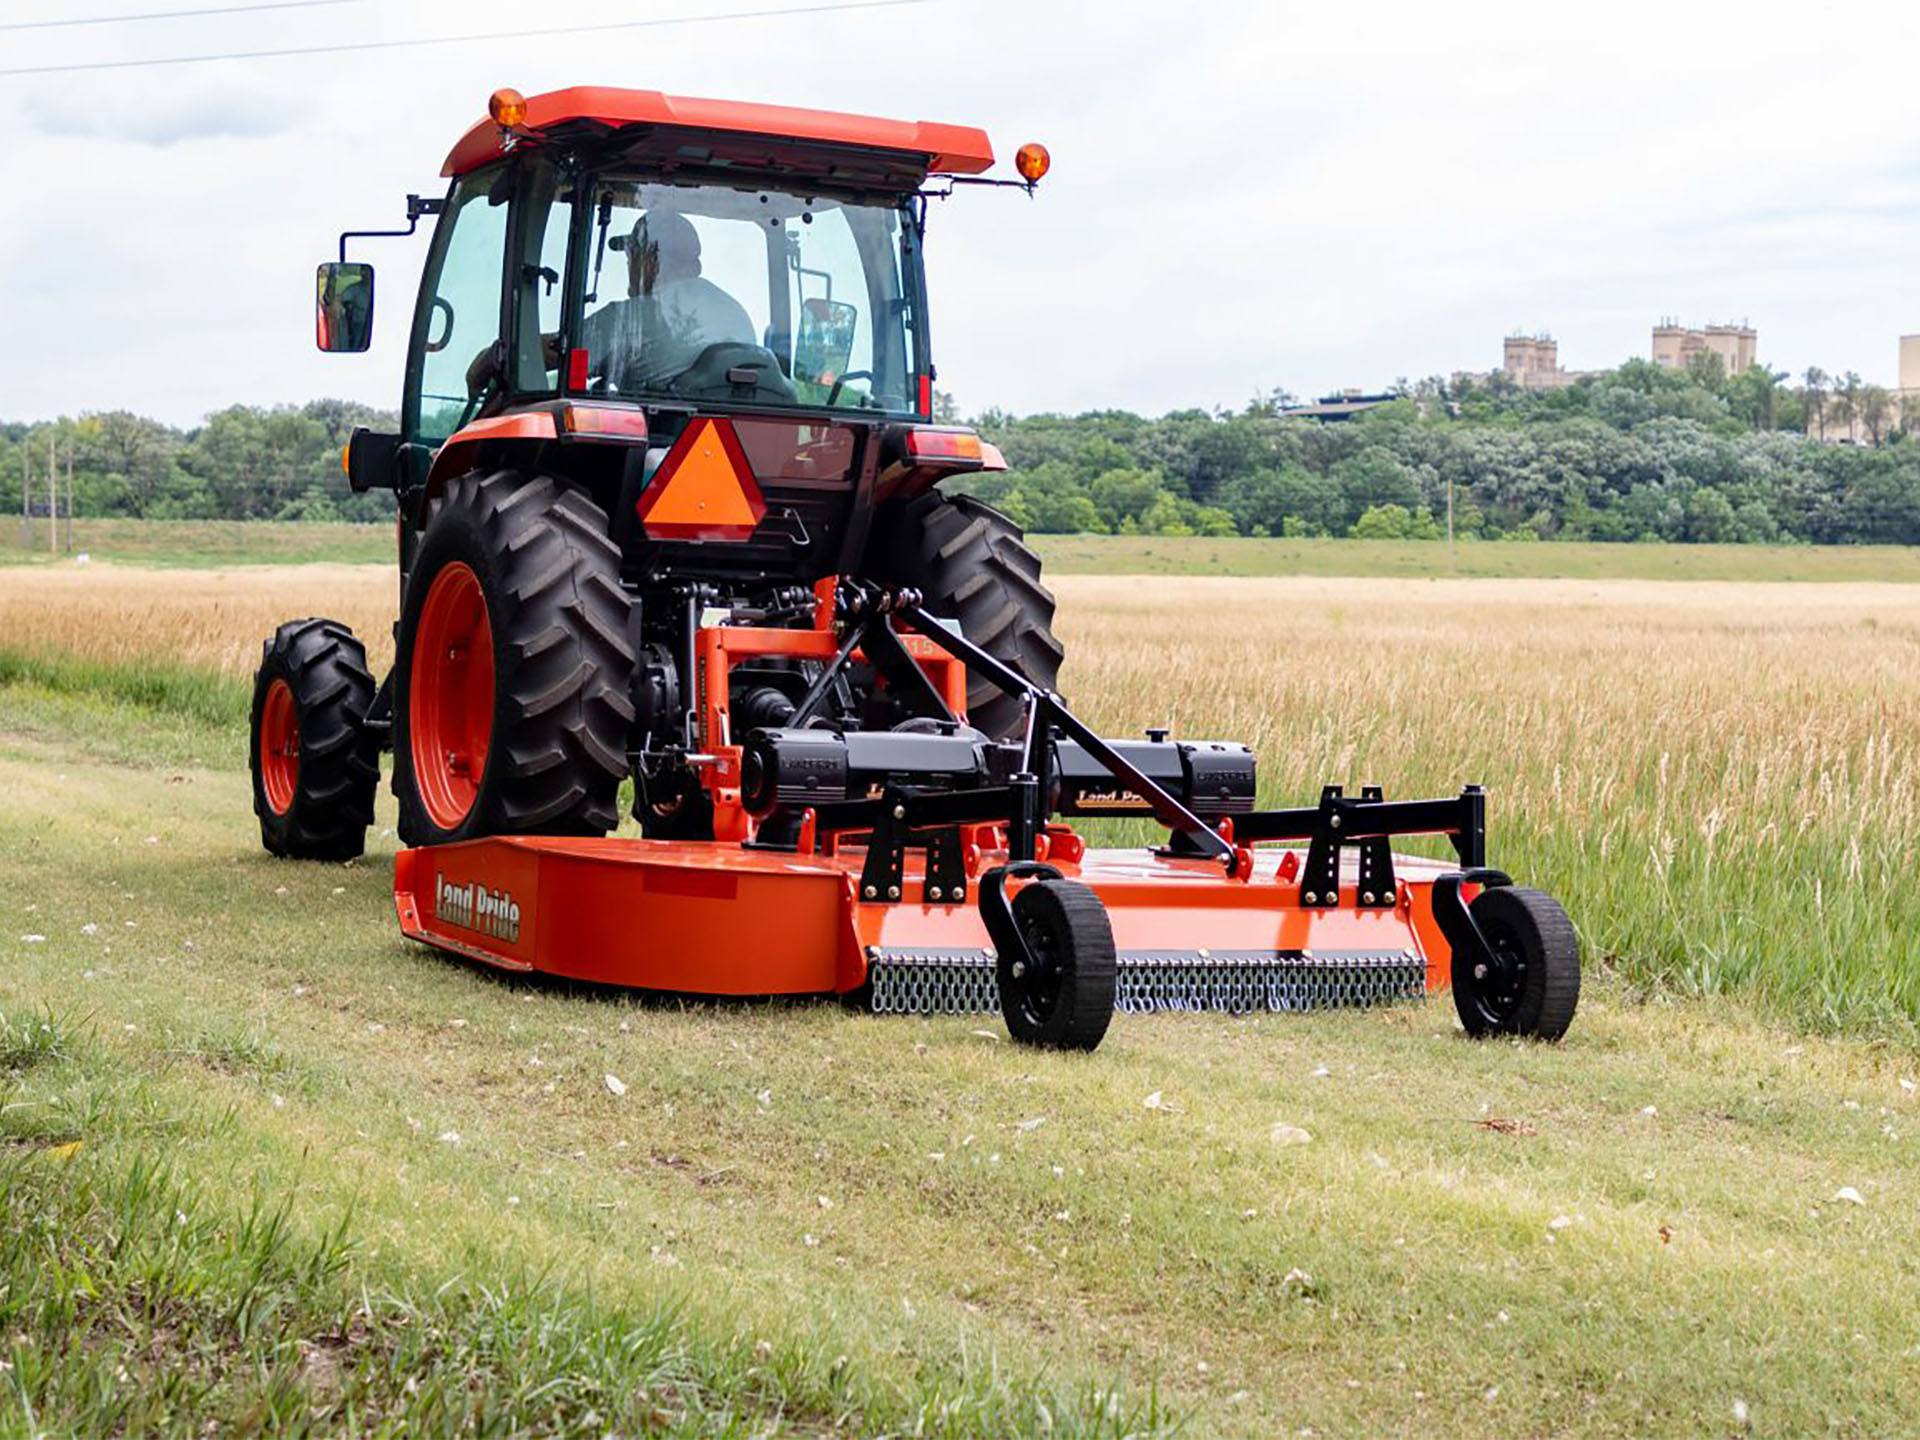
{"x": 750, "y": 296}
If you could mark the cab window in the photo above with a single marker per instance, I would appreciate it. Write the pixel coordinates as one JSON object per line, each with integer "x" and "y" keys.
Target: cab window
{"x": 460, "y": 324}
{"x": 760, "y": 297}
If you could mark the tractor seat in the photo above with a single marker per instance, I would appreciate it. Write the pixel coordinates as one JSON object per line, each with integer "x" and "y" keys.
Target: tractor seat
{"x": 734, "y": 371}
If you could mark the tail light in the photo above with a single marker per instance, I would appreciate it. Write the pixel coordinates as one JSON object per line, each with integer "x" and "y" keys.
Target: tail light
{"x": 951, "y": 449}
{"x": 616, "y": 421}
{"x": 925, "y": 444}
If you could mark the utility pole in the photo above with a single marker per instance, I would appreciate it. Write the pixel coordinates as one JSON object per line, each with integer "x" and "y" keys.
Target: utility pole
{"x": 69, "y": 497}
{"x": 53, "y": 497}
{"x": 26, "y": 496}
{"x": 1450, "y": 565}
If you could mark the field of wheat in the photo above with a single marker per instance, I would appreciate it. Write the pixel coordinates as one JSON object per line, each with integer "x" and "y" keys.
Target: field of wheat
{"x": 1717, "y": 778}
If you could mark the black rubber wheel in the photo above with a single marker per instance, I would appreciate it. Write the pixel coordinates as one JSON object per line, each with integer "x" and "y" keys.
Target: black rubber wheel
{"x": 1533, "y": 983}
{"x": 314, "y": 769}
{"x": 524, "y": 731}
{"x": 1066, "y": 1001}
{"x": 971, "y": 564}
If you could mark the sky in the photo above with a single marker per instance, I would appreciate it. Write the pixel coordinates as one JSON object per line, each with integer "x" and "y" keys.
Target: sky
{"x": 1243, "y": 197}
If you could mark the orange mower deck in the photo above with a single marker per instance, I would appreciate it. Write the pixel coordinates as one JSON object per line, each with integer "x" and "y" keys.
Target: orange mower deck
{"x": 727, "y": 920}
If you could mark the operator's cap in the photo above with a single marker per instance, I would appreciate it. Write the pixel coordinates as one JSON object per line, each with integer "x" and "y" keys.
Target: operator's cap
{"x": 668, "y": 230}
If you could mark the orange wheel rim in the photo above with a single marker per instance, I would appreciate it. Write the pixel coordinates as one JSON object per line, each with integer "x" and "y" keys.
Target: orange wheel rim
{"x": 450, "y": 695}
{"x": 279, "y": 747}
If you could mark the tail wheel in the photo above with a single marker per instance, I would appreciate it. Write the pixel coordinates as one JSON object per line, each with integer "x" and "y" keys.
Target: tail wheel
{"x": 972, "y": 565}
{"x": 1529, "y": 981}
{"x": 511, "y": 711}
{"x": 313, "y": 767}
{"x": 1060, "y": 996}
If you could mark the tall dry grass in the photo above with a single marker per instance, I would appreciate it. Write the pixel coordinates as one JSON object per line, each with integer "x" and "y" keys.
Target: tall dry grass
{"x": 1718, "y": 779}
{"x": 208, "y": 619}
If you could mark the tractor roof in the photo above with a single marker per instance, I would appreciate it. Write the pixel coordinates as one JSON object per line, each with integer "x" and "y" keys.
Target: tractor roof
{"x": 590, "y": 109}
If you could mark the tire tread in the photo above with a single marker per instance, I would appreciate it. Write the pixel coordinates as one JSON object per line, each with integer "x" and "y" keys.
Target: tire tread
{"x": 560, "y": 619}
{"x": 325, "y": 666}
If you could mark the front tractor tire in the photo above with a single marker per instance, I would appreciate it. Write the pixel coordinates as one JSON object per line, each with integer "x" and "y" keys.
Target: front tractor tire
{"x": 314, "y": 770}
{"x": 511, "y": 711}
{"x": 972, "y": 564}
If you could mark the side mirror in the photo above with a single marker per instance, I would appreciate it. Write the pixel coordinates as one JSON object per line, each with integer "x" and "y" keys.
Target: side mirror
{"x": 343, "y": 313}
{"x": 825, "y": 342}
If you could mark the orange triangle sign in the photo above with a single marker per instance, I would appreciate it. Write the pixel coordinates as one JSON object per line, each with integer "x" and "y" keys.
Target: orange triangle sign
{"x": 704, "y": 489}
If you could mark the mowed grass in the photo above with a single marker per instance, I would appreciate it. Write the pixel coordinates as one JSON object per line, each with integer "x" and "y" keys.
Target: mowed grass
{"x": 269, "y": 1167}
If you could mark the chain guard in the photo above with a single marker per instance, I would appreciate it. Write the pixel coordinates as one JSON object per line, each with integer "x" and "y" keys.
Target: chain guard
{"x": 1234, "y": 982}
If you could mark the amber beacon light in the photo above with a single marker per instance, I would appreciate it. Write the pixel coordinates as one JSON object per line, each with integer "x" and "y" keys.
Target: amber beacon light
{"x": 509, "y": 109}
{"x": 1031, "y": 160}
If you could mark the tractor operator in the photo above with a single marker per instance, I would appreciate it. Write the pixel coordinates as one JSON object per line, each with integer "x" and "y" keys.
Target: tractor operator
{"x": 672, "y": 312}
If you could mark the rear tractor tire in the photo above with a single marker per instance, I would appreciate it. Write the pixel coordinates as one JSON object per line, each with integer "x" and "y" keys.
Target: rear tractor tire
{"x": 1065, "y": 1002}
{"x": 511, "y": 712}
{"x": 314, "y": 769}
{"x": 1531, "y": 986}
{"x": 972, "y": 565}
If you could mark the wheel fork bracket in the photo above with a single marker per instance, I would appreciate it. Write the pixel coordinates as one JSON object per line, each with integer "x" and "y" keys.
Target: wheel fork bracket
{"x": 1454, "y": 915}
{"x": 996, "y": 912}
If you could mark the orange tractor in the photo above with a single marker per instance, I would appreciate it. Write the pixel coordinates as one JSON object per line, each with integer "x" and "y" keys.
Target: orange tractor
{"x": 668, "y": 479}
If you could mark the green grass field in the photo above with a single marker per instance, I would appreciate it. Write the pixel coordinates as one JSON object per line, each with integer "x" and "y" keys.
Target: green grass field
{"x": 202, "y": 543}
{"x": 269, "y": 1167}
{"x": 199, "y": 543}
{"x": 1410, "y": 559}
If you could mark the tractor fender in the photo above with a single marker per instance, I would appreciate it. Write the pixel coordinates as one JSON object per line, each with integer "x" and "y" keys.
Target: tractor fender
{"x": 492, "y": 437}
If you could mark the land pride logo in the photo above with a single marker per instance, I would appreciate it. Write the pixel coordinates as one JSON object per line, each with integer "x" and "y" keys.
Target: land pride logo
{"x": 474, "y": 907}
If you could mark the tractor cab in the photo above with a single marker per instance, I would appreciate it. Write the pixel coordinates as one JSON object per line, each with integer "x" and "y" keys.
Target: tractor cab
{"x": 624, "y": 268}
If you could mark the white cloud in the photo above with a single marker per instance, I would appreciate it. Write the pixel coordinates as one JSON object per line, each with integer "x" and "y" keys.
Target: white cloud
{"x": 1243, "y": 195}
{"x": 143, "y": 114}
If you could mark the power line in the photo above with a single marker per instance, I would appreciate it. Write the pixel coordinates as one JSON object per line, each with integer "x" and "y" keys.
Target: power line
{"x": 364, "y": 45}
{"x": 170, "y": 14}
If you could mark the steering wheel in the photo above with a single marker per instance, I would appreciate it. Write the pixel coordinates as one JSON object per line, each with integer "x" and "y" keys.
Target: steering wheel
{"x": 833, "y": 395}
{"x": 440, "y": 307}
{"x": 476, "y": 400}
{"x": 484, "y": 380}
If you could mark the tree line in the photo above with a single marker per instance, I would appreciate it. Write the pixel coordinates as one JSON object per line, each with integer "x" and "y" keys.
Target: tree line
{"x": 242, "y": 463}
{"x": 1638, "y": 453}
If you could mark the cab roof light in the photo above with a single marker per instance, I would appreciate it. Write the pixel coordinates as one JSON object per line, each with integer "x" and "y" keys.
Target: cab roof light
{"x": 1031, "y": 161}
{"x": 603, "y": 420}
{"x": 508, "y": 108}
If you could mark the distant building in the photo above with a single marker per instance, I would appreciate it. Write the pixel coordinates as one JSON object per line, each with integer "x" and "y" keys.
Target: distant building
{"x": 1533, "y": 362}
{"x": 1528, "y": 362}
{"x": 1870, "y": 424}
{"x": 1343, "y": 406}
{"x": 1675, "y": 346}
